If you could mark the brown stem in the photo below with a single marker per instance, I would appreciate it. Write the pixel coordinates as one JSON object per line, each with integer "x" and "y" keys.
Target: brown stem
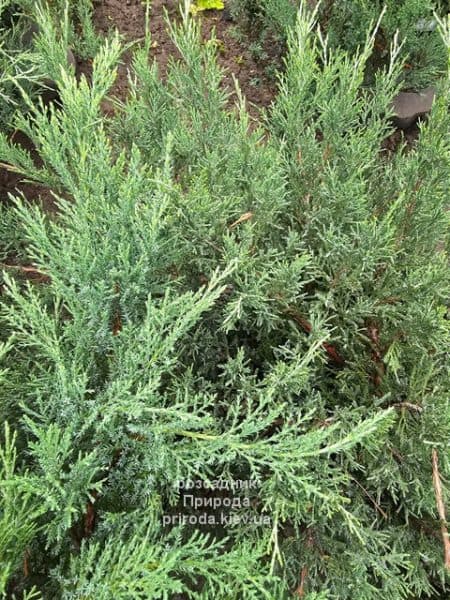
{"x": 26, "y": 568}
{"x": 90, "y": 516}
{"x": 117, "y": 320}
{"x": 441, "y": 508}
{"x": 331, "y": 350}
{"x": 409, "y": 406}
{"x": 374, "y": 502}
{"x": 377, "y": 355}
{"x": 300, "y": 591}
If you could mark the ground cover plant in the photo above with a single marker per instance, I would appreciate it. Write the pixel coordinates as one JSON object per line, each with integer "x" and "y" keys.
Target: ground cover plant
{"x": 237, "y": 319}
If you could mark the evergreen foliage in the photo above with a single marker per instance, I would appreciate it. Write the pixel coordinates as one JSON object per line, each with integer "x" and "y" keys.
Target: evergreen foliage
{"x": 227, "y": 303}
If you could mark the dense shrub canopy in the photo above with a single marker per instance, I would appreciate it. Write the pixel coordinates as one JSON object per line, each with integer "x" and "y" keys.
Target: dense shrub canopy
{"x": 222, "y": 301}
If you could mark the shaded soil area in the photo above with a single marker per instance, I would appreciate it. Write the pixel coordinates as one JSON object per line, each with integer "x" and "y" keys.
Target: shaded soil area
{"x": 399, "y": 137}
{"x": 235, "y": 53}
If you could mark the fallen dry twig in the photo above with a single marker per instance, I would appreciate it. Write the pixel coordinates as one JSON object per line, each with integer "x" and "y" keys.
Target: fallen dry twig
{"x": 29, "y": 271}
{"x": 245, "y": 217}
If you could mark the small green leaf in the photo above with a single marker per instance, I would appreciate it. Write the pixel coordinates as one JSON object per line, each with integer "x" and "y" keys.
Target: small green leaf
{"x": 200, "y": 5}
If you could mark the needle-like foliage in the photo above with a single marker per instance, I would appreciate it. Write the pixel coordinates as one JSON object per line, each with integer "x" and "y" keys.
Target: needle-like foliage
{"x": 260, "y": 312}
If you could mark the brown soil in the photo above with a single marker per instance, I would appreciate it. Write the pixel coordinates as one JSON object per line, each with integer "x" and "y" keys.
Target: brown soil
{"x": 234, "y": 56}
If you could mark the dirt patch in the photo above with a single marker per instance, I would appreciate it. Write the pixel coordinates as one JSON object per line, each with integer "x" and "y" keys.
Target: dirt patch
{"x": 235, "y": 55}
